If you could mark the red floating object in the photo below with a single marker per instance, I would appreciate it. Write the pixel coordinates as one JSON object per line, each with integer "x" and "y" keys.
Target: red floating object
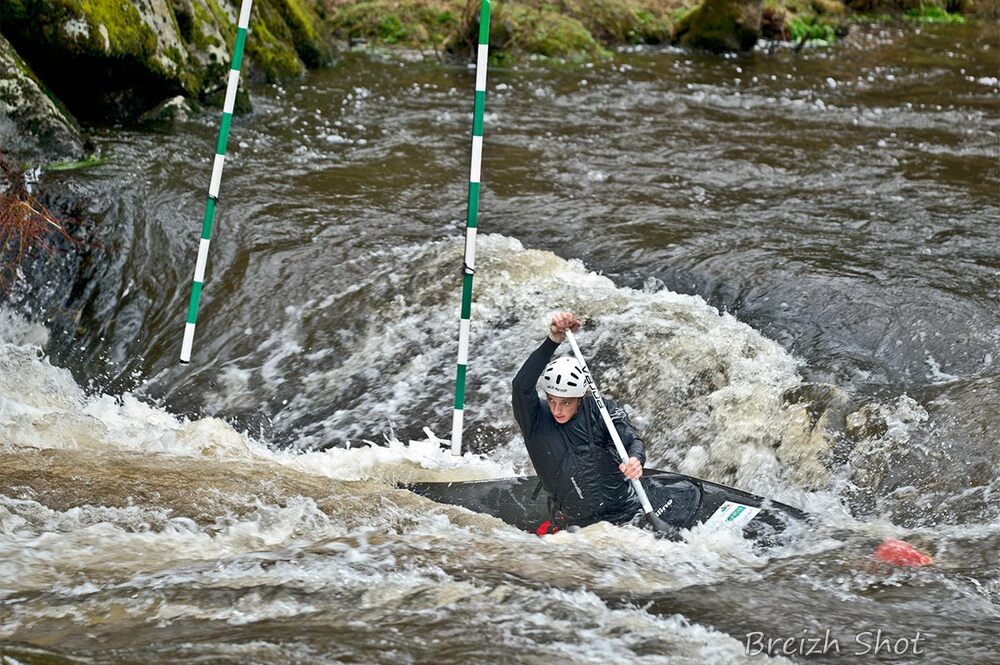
{"x": 546, "y": 528}
{"x": 901, "y": 553}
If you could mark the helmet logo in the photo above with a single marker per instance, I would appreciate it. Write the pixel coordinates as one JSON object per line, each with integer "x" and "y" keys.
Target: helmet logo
{"x": 562, "y": 377}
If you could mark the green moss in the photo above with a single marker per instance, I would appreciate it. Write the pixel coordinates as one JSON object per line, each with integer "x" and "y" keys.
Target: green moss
{"x": 621, "y": 21}
{"x": 127, "y": 34}
{"x": 219, "y": 17}
{"x": 524, "y": 28}
{"x": 412, "y": 23}
{"x": 304, "y": 21}
{"x": 652, "y": 28}
{"x": 932, "y": 14}
{"x": 811, "y": 31}
{"x": 284, "y": 37}
{"x": 551, "y": 34}
{"x": 47, "y": 21}
{"x": 678, "y": 13}
{"x": 817, "y": 22}
{"x": 204, "y": 39}
{"x": 275, "y": 57}
{"x": 391, "y": 30}
{"x": 444, "y": 17}
{"x": 93, "y": 160}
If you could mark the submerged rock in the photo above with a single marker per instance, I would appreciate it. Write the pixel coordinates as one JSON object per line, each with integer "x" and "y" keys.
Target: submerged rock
{"x": 722, "y": 25}
{"x": 34, "y": 130}
{"x": 174, "y": 110}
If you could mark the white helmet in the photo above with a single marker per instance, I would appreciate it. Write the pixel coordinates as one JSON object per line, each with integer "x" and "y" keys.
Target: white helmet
{"x": 563, "y": 378}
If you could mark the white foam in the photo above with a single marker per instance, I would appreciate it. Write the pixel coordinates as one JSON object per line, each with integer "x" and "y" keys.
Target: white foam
{"x": 15, "y": 329}
{"x": 42, "y": 547}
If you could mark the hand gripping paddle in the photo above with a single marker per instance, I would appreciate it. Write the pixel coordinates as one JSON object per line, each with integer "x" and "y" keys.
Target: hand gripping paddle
{"x": 655, "y": 521}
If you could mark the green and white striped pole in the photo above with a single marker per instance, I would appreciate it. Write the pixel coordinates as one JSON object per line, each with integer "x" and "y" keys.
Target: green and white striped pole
{"x": 471, "y": 221}
{"x": 213, "y": 188}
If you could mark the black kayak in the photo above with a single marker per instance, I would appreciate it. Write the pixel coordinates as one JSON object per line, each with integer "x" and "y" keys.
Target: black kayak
{"x": 682, "y": 501}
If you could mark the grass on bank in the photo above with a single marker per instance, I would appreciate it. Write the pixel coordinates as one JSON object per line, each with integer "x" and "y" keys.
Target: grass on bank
{"x": 569, "y": 29}
{"x": 413, "y": 24}
{"x": 810, "y": 30}
{"x": 932, "y": 14}
{"x": 577, "y": 30}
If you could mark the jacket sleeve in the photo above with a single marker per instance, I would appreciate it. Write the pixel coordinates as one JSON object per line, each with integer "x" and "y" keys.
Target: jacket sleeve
{"x": 633, "y": 444}
{"x": 525, "y": 395}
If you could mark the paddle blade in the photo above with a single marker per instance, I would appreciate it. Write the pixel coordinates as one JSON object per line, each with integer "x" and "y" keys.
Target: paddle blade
{"x": 662, "y": 527}
{"x": 900, "y": 553}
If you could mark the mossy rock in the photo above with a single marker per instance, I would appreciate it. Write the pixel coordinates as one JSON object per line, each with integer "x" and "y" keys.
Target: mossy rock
{"x": 100, "y": 55}
{"x": 418, "y": 24}
{"x": 286, "y": 36}
{"x": 115, "y": 59}
{"x": 571, "y": 29}
{"x": 722, "y": 25}
{"x": 306, "y": 21}
{"x": 34, "y": 128}
{"x": 527, "y": 28}
{"x": 831, "y": 8}
{"x": 615, "y": 22}
{"x": 548, "y": 33}
{"x": 270, "y": 45}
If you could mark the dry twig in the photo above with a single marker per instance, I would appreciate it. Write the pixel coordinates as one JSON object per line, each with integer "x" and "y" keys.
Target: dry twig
{"x": 25, "y": 224}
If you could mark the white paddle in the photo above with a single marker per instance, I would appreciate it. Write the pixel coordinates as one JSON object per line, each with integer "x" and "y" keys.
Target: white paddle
{"x": 654, "y": 520}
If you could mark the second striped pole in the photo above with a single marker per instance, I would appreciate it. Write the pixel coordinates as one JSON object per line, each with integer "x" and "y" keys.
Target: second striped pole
{"x": 213, "y": 188}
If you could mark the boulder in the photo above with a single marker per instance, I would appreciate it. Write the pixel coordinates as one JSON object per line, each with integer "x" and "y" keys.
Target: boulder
{"x": 721, "y": 25}
{"x": 34, "y": 130}
{"x": 115, "y": 59}
{"x": 105, "y": 58}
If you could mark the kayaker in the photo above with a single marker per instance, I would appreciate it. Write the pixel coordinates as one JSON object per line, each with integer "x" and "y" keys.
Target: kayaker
{"x": 567, "y": 441}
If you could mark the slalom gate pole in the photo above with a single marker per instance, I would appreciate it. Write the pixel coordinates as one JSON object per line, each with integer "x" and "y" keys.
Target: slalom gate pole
{"x": 213, "y": 188}
{"x": 472, "y": 213}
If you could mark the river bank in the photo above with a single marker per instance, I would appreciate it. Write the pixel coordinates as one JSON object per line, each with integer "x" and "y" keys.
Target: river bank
{"x": 69, "y": 63}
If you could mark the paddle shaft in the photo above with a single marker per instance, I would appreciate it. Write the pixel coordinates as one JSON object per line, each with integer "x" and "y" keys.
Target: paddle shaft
{"x": 622, "y": 453}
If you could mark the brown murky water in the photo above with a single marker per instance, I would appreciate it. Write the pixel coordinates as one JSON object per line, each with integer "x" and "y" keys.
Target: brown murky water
{"x": 797, "y": 289}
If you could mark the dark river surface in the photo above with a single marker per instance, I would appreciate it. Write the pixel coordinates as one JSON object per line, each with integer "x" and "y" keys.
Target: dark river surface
{"x": 789, "y": 267}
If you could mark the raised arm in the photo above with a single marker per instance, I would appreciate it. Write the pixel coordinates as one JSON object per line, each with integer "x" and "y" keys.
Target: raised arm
{"x": 525, "y": 396}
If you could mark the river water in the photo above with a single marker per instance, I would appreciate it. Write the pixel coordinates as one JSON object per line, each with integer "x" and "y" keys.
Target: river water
{"x": 789, "y": 268}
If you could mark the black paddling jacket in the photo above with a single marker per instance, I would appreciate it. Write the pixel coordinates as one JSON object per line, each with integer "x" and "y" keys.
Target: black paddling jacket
{"x": 576, "y": 461}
